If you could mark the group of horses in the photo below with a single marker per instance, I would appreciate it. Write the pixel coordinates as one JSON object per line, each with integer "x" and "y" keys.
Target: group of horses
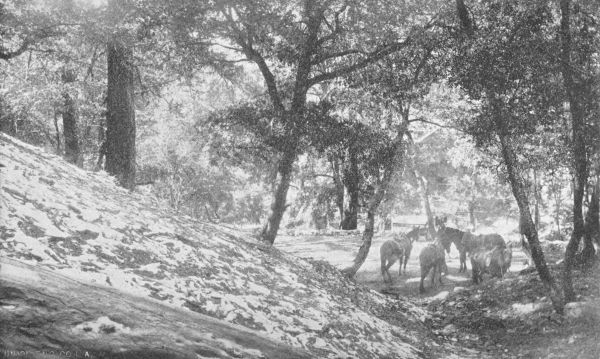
{"x": 488, "y": 253}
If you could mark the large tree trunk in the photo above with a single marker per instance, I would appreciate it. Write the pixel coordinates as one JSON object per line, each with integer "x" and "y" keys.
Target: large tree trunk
{"x": 578, "y": 149}
{"x": 120, "y": 118}
{"x": 526, "y": 221}
{"x": 352, "y": 183}
{"x": 278, "y": 207}
{"x": 69, "y": 116}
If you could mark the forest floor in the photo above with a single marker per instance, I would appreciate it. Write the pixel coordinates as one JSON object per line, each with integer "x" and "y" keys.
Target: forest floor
{"x": 505, "y": 318}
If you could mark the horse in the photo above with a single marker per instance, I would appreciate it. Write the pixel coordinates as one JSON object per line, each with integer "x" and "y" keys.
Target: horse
{"x": 414, "y": 233}
{"x": 432, "y": 259}
{"x": 447, "y": 236}
{"x": 471, "y": 243}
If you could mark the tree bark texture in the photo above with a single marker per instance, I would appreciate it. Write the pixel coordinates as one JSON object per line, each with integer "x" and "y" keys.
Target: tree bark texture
{"x": 578, "y": 150}
{"x": 278, "y": 207}
{"x": 120, "y": 118}
{"x": 70, "y": 119}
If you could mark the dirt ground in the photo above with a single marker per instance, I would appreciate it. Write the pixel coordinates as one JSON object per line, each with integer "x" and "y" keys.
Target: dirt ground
{"x": 500, "y": 318}
{"x": 340, "y": 251}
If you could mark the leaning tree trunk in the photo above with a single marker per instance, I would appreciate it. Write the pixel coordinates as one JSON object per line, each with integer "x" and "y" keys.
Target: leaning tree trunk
{"x": 120, "y": 119}
{"x": 278, "y": 207}
{"x": 352, "y": 183}
{"x": 527, "y": 226}
{"x": 578, "y": 148}
{"x": 69, "y": 116}
{"x": 367, "y": 236}
{"x": 375, "y": 201}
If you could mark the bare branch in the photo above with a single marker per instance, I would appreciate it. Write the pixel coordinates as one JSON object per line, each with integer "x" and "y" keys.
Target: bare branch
{"x": 335, "y": 28}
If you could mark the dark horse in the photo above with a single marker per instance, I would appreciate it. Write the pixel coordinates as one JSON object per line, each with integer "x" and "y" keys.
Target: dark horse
{"x": 447, "y": 236}
{"x": 413, "y": 234}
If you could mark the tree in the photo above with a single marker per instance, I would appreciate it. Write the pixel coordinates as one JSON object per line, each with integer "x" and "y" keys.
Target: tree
{"x": 120, "y": 119}
{"x": 296, "y": 46}
{"x": 576, "y": 56}
{"x": 70, "y": 119}
{"x": 382, "y": 159}
{"x": 23, "y": 26}
{"x": 507, "y": 65}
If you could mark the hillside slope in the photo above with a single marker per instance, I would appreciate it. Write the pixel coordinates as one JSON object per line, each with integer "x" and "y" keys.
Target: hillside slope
{"x": 79, "y": 230}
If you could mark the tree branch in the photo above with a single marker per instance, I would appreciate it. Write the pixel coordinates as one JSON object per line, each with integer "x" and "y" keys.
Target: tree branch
{"x": 257, "y": 58}
{"x": 371, "y": 58}
{"x": 320, "y": 59}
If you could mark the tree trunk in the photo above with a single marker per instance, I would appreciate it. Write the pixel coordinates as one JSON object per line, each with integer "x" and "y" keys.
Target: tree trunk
{"x": 472, "y": 219}
{"x": 278, "y": 207}
{"x": 578, "y": 149}
{"x": 538, "y": 200}
{"x": 375, "y": 201}
{"x": 339, "y": 186}
{"x": 351, "y": 182}
{"x": 120, "y": 118}
{"x": 592, "y": 228}
{"x": 424, "y": 189}
{"x": 8, "y": 123}
{"x": 69, "y": 116}
{"x": 367, "y": 238}
{"x": 464, "y": 17}
{"x": 527, "y": 226}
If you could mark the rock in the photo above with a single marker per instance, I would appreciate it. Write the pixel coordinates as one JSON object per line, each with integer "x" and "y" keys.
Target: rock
{"x": 449, "y": 329}
{"x": 582, "y": 310}
{"x": 440, "y": 296}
